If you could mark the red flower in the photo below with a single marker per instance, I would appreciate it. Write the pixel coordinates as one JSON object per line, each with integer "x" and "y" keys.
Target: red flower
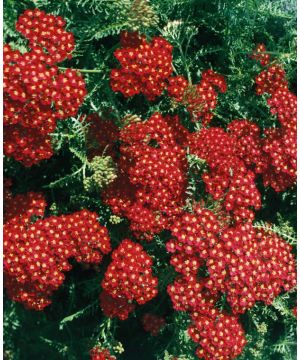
{"x": 150, "y": 190}
{"x": 259, "y": 54}
{"x": 36, "y": 93}
{"x": 199, "y": 99}
{"x": 98, "y": 353}
{"x": 36, "y": 253}
{"x": 153, "y": 323}
{"x": 279, "y": 144}
{"x": 219, "y": 335}
{"x": 129, "y": 275}
{"x": 112, "y": 307}
{"x": 145, "y": 67}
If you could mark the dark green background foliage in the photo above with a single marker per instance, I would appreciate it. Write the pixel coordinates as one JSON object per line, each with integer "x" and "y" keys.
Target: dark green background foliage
{"x": 205, "y": 34}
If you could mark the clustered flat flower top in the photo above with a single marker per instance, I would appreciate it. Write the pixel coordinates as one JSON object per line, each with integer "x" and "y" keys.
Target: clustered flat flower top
{"x": 145, "y": 67}
{"x": 129, "y": 275}
{"x": 37, "y": 249}
{"x": 153, "y": 323}
{"x": 36, "y": 92}
{"x": 150, "y": 189}
{"x": 98, "y": 353}
{"x": 219, "y": 335}
{"x": 199, "y": 99}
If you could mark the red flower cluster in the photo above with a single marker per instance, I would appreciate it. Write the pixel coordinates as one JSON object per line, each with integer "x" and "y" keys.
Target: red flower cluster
{"x": 151, "y": 189}
{"x": 153, "y": 323}
{"x": 208, "y": 324}
{"x": 36, "y": 253}
{"x": 186, "y": 264}
{"x": 26, "y": 145}
{"x": 283, "y": 103}
{"x": 199, "y": 99}
{"x": 21, "y": 208}
{"x": 250, "y": 266}
{"x": 228, "y": 178}
{"x": 129, "y": 275}
{"x": 131, "y": 39}
{"x": 97, "y": 353}
{"x": 260, "y": 55}
{"x": 235, "y": 156}
{"x": 271, "y": 79}
{"x": 115, "y": 307}
{"x": 244, "y": 263}
{"x": 193, "y": 233}
{"x": 36, "y": 93}
{"x": 246, "y": 138}
{"x": 190, "y": 294}
{"x": 48, "y": 32}
{"x": 219, "y": 335}
{"x": 279, "y": 144}
{"x": 145, "y": 67}
{"x": 102, "y": 136}
{"x": 177, "y": 87}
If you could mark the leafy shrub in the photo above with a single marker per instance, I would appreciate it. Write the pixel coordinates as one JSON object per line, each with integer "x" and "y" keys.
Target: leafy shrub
{"x": 149, "y": 189}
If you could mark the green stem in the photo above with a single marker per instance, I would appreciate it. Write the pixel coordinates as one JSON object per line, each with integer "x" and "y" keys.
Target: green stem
{"x": 54, "y": 183}
{"x": 266, "y": 52}
{"x": 77, "y": 314}
{"x": 90, "y": 71}
{"x": 185, "y": 63}
{"x": 174, "y": 69}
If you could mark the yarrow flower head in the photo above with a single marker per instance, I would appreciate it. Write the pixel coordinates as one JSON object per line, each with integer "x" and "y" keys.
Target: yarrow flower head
{"x": 36, "y": 92}
{"x": 219, "y": 335}
{"x": 153, "y": 323}
{"x": 145, "y": 67}
{"x": 48, "y": 32}
{"x": 279, "y": 144}
{"x": 250, "y": 265}
{"x": 129, "y": 275}
{"x": 193, "y": 233}
{"x": 199, "y": 99}
{"x": 98, "y": 353}
{"x": 270, "y": 80}
{"x": 150, "y": 189}
{"x": 36, "y": 250}
{"x": 190, "y": 294}
{"x": 260, "y": 54}
{"x": 228, "y": 178}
